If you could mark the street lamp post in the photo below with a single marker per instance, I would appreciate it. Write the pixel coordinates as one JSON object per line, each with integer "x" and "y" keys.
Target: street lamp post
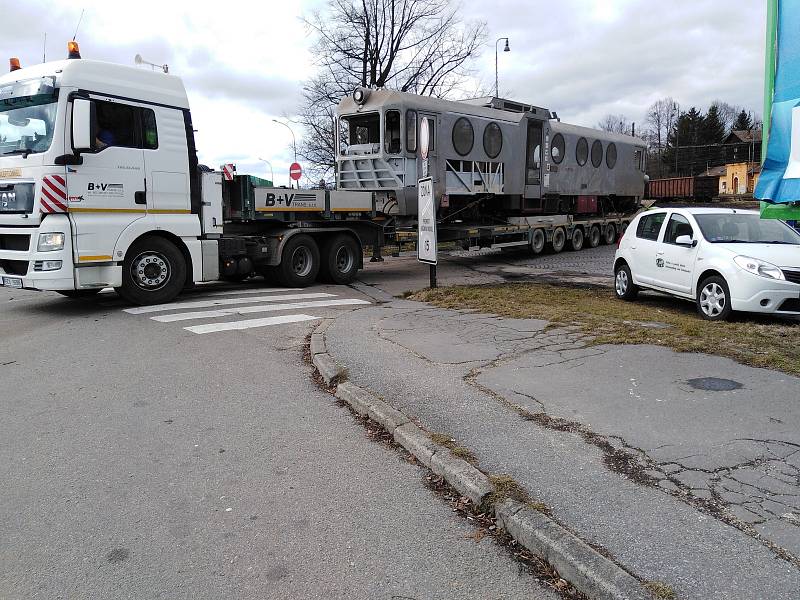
{"x": 506, "y": 49}
{"x": 294, "y": 143}
{"x": 271, "y": 172}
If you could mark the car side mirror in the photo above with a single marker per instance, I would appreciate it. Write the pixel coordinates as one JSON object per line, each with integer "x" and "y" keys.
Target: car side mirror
{"x": 84, "y": 125}
{"x": 686, "y": 241}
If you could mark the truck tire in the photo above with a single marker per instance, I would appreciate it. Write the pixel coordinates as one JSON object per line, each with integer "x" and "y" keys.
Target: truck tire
{"x": 78, "y": 294}
{"x": 594, "y": 236}
{"x": 610, "y": 234}
{"x": 538, "y": 240}
{"x": 576, "y": 242}
{"x": 559, "y": 239}
{"x": 339, "y": 259}
{"x": 299, "y": 262}
{"x": 153, "y": 272}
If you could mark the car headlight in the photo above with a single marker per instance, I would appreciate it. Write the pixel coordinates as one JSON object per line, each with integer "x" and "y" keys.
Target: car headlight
{"x": 48, "y": 242}
{"x": 759, "y": 267}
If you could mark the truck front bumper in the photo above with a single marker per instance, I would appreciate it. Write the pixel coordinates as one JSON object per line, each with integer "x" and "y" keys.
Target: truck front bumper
{"x": 20, "y": 259}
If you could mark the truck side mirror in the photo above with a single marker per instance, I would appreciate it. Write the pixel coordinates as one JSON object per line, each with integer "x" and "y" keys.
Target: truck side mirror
{"x": 84, "y": 125}
{"x": 685, "y": 240}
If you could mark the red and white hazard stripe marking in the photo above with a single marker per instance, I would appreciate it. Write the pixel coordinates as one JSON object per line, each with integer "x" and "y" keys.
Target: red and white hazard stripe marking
{"x": 228, "y": 171}
{"x": 53, "y": 198}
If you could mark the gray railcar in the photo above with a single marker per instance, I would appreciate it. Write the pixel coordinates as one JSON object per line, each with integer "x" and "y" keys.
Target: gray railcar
{"x": 487, "y": 157}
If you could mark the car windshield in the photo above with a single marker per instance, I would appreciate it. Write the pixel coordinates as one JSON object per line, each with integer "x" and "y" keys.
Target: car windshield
{"x": 27, "y": 117}
{"x": 737, "y": 228}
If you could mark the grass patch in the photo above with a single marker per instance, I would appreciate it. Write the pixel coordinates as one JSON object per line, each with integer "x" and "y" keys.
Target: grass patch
{"x": 754, "y": 340}
{"x": 507, "y": 488}
{"x": 660, "y": 590}
{"x": 450, "y": 443}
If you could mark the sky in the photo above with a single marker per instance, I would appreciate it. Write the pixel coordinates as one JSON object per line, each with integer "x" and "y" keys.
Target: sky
{"x": 244, "y": 63}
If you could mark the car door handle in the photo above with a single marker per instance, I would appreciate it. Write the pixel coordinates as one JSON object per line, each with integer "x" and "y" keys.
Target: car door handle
{"x": 660, "y": 252}
{"x": 140, "y": 197}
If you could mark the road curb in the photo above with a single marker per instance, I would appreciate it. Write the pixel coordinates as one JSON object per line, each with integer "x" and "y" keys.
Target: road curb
{"x": 578, "y": 563}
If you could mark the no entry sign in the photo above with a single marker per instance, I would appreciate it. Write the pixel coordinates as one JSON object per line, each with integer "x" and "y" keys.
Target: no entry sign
{"x": 295, "y": 171}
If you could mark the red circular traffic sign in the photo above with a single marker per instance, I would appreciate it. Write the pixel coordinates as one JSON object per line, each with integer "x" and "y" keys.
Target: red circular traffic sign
{"x": 295, "y": 171}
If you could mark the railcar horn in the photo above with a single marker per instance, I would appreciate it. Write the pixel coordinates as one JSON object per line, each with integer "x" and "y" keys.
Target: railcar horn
{"x": 360, "y": 95}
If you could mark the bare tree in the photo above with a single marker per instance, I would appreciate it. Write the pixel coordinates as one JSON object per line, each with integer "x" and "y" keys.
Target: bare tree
{"x": 418, "y": 46}
{"x": 661, "y": 118}
{"x": 615, "y": 124}
{"x": 727, "y": 113}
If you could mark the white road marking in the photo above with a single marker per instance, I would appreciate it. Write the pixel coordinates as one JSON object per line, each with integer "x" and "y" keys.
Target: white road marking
{"x": 250, "y": 291}
{"x": 221, "y": 302}
{"x": 211, "y": 314}
{"x": 249, "y": 323}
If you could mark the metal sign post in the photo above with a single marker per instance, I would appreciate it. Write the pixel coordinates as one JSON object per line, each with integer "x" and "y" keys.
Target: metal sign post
{"x": 426, "y": 227}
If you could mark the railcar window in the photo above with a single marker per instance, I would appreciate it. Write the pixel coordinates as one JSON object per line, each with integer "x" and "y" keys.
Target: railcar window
{"x": 411, "y": 130}
{"x": 392, "y": 136}
{"x": 431, "y": 134}
{"x": 463, "y": 136}
{"x": 582, "y": 151}
{"x": 492, "y": 140}
{"x": 611, "y": 155}
{"x": 558, "y": 148}
{"x": 362, "y": 129}
{"x": 597, "y": 153}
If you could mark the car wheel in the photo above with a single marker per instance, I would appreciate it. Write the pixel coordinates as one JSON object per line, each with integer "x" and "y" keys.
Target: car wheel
{"x": 153, "y": 272}
{"x": 537, "y": 241}
{"x": 559, "y": 239}
{"x": 339, "y": 262}
{"x": 577, "y": 239}
{"x": 610, "y": 234}
{"x": 299, "y": 262}
{"x": 714, "y": 299}
{"x": 624, "y": 287}
{"x": 594, "y": 236}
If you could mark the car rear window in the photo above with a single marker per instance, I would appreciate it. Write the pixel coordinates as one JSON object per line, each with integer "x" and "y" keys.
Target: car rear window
{"x": 650, "y": 225}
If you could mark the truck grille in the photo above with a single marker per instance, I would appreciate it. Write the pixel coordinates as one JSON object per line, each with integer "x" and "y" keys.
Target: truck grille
{"x": 15, "y": 241}
{"x": 793, "y": 276}
{"x": 14, "y": 267}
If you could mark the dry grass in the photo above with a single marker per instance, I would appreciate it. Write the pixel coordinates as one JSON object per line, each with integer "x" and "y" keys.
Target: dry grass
{"x": 450, "y": 443}
{"x": 752, "y": 340}
{"x": 660, "y": 590}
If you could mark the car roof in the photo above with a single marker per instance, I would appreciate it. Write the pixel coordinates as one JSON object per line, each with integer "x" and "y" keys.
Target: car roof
{"x": 707, "y": 210}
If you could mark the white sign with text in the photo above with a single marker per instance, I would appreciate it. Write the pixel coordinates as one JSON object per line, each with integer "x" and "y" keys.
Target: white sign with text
{"x": 426, "y": 224}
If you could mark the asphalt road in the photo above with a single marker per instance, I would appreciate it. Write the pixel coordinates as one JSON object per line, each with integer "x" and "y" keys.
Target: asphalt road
{"x": 141, "y": 459}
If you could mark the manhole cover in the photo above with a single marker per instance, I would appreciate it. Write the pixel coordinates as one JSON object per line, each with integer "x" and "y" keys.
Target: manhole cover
{"x": 715, "y": 384}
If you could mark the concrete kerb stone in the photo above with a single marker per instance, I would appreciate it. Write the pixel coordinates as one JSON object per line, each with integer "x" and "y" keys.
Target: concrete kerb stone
{"x": 577, "y": 562}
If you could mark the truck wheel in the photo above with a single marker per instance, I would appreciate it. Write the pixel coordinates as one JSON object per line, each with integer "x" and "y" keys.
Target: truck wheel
{"x": 559, "y": 239}
{"x": 537, "y": 241}
{"x": 339, "y": 260}
{"x": 78, "y": 294}
{"x": 610, "y": 234}
{"x": 153, "y": 272}
{"x": 299, "y": 262}
{"x": 577, "y": 239}
{"x": 594, "y": 236}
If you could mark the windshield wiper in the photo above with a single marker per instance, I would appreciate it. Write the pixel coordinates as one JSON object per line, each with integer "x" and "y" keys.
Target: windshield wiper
{"x": 24, "y": 151}
{"x": 778, "y": 242}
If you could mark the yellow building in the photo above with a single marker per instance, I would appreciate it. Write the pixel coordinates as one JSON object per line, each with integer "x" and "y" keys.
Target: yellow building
{"x": 736, "y": 179}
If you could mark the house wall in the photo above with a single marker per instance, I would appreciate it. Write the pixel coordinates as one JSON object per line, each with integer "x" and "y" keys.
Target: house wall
{"x": 734, "y": 171}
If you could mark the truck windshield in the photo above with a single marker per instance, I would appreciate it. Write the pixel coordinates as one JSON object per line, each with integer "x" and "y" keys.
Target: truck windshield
{"x": 728, "y": 228}
{"x": 27, "y": 116}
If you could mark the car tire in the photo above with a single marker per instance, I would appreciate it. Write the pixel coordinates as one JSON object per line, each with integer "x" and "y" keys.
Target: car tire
{"x": 624, "y": 287}
{"x": 299, "y": 262}
{"x": 714, "y": 299}
{"x": 576, "y": 242}
{"x": 594, "y": 236}
{"x": 339, "y": 260}
{"x": 559, "y": 239}
{"x": 538, "y": 240}
{"x": 609, "y": 234}
{"x": 78, "y": 294}
{"x": 153, "y": 272}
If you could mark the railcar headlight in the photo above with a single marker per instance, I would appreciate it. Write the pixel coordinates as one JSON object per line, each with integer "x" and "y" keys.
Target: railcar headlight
{"x": 360, "y": 95}
{"x": 759, "y": 267}
{"x": 49, "y": 242}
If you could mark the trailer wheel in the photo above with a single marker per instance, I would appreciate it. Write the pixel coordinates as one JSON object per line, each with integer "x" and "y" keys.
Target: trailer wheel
{"x": 594, "y": 236}
{"x": 153, "y": 272}
{"x": 339, "y": 262}
{"x": 610, "y": 234}
{"x": 537, "y": 241}
{"x": 576, "y": 243}
{"x": 299, "y": 262}
{"x": 559, "y": 239}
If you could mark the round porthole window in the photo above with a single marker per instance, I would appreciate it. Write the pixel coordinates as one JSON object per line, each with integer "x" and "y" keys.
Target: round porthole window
{"x": 558, "y": 148}
{"x": 611, "y": 155}
{"x": 597, "y": 153}
{"x": 492, "y": 140}
{"x": 463, "y": 136}
{"x": 582, "y": 151}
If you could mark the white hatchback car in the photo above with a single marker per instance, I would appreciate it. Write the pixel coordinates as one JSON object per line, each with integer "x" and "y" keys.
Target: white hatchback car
{"x": 724, "y": 259}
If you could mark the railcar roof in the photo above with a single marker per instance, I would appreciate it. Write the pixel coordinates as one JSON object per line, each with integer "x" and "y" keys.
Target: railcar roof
{"x": 590, "y": 133}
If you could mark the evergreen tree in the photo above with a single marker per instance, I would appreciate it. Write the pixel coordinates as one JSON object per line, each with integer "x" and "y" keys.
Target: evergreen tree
{"x": 743, "y": 122}
{"x": 712, "y": 129}
{"x": 686, "y": 132}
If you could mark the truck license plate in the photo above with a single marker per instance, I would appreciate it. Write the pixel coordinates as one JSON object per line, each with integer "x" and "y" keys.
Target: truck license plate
{"x": 12, "y": 282}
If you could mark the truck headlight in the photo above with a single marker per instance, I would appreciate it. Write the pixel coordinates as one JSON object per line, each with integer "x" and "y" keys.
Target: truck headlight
{"x": 759, "y": 267}
{"x": 49, "y": 242}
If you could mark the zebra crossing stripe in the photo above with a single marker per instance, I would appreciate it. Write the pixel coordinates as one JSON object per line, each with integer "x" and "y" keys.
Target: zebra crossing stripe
{"x": 139, "y": 310}
{"x": 256, "y": 291}
{"x": 212, "y": 314}
{"x": 249, "y": 323}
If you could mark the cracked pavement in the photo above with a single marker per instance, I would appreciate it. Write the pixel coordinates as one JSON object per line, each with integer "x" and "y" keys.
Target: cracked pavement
{"x": 697, "y": 488}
